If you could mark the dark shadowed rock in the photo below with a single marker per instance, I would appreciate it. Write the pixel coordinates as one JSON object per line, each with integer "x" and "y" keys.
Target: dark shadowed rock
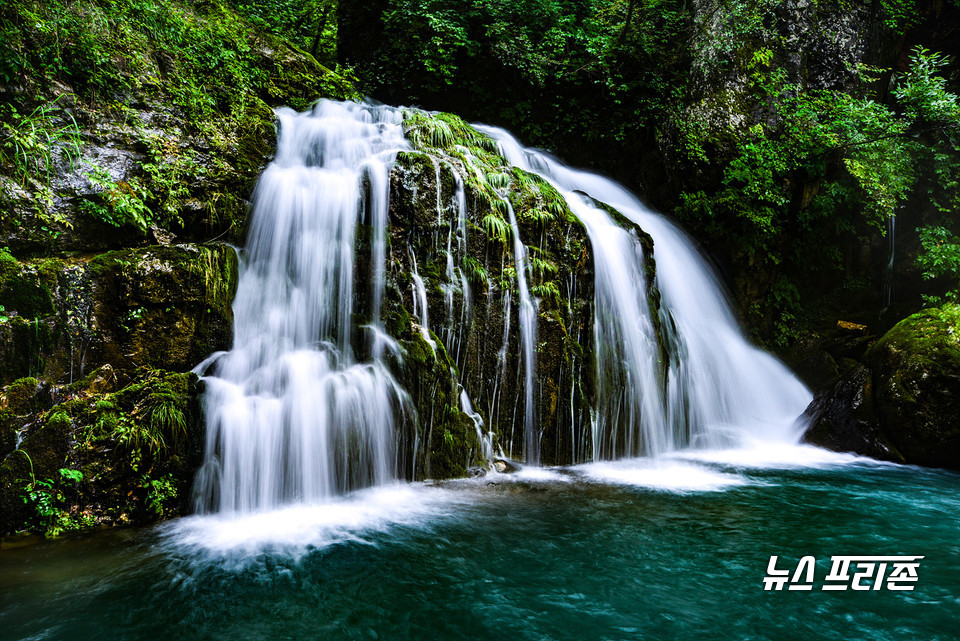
{"x": 843, "y": 418}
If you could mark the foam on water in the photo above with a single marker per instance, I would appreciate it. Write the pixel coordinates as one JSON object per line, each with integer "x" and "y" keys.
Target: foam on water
{"x": 663, "y": 475}
{"x": 777, "y": 456}
{"x": 298, "y": 528}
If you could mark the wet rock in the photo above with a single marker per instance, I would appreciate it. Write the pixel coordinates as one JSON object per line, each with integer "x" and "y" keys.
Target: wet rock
{"x": 478, "y": 329}
{"x": 843, "y": 418}
{"x": 505, "y": 466}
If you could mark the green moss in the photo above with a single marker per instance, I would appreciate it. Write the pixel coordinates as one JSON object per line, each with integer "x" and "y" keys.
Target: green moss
{"x": 916, "y": 369}
{"x": 20, "y": 393}
{"x": 58, "y": 420}
{"x": 929, "y": 339}
{"x": 22, "y": 290}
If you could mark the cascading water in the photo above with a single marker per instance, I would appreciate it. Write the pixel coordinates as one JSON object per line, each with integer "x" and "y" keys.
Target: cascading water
{"x": 718, "y": 389}
{"x": 528, "y": 337}
{"x": 291, "y": 414}
{"x": 629, "y": 417}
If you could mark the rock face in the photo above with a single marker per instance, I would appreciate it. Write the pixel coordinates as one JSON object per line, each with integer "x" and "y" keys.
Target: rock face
{"x": 473, "y": 305}
{"x": 105, "y": 342}
{"x": 114, "y": 279}
{"x": 156, "y": 306}
{"x": 904, "y": 405}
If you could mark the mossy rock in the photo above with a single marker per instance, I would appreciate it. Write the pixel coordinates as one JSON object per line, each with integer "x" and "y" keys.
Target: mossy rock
{"x": 40, "y": 455}
{"x": 165, "y": 306}
{"x": 22, "y": 289}
{"x": 917, "y": 374}
{"x": 19, "y": 395}
{"x": 137, "y": 450}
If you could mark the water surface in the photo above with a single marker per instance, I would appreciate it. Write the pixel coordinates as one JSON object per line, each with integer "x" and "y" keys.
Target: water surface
{"x": 669, "y": 549}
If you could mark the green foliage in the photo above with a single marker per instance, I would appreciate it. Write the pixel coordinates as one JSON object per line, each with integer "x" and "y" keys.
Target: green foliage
{"x": 935, "y": 111}
{"x": 541, "y": 267}
{"x": 923, "y": 93}
{"x": 48, "y": 499}
{"x": 444, "y": 131}
{"x": 497, "y": 228}
{"x": 310, "y": 25}
{"x": 160, "y": 492}
{"x": 831, "y": 166}
{"x": 819, "y": 132}
{"x": 163, "y": 411}
{"x": 474, "y": 270}
{"x": 120, "y": 202}
{"x": 556, "y": 72}
{"x": 899, "y": 15}
{"x": 29, "y": 143}
{"x": 939, "y": 258}
{"x": 546, "y": 290}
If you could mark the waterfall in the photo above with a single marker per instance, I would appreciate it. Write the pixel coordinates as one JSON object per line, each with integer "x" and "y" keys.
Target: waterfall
{"x": 297, "y": 412}
{"x": 717, "y": 389}
{"x": 528, "y": 338}
{"x": 292, "y": 415}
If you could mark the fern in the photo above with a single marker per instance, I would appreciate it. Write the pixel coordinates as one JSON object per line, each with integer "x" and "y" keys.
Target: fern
{"x": 474, "y": 269}
{"x": 496, "y": 228}
{"x": 164, "y": 416}
{"x": 546, "y": 290}
{"x": 542, "y": 267}
{"x": 498, "y": 180}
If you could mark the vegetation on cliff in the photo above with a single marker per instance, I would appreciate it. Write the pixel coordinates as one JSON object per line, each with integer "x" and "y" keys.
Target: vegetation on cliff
{"x": 783, "y": 135}
{"x": 131, "y": 133}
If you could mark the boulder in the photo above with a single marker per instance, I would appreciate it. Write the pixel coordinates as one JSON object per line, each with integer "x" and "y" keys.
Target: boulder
{"x": 917, "y": 374}
{"x": 903, "y": 402}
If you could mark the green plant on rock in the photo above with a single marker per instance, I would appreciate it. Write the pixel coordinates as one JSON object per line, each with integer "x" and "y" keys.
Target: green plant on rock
{"x": 160, "y": 492}
{"x": 443, "y": 131}
{"x": 47, "y": 497}
{"x": 548, "y": 290}
{"x": 474, "y": 269}
{"x": 120, "y": 202}
{"x": 164, "y": 413}
{"x": 138, "y": 438}
{"x": 29, "y": 142}
{"x": 497, "y": 228}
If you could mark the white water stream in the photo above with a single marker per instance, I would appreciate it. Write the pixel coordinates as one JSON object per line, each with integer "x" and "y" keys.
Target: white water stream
{"x": 294, "y": 417}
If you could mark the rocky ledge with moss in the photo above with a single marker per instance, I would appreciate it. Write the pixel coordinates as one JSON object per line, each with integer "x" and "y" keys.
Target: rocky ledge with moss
{"x": 129, "y": 143}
